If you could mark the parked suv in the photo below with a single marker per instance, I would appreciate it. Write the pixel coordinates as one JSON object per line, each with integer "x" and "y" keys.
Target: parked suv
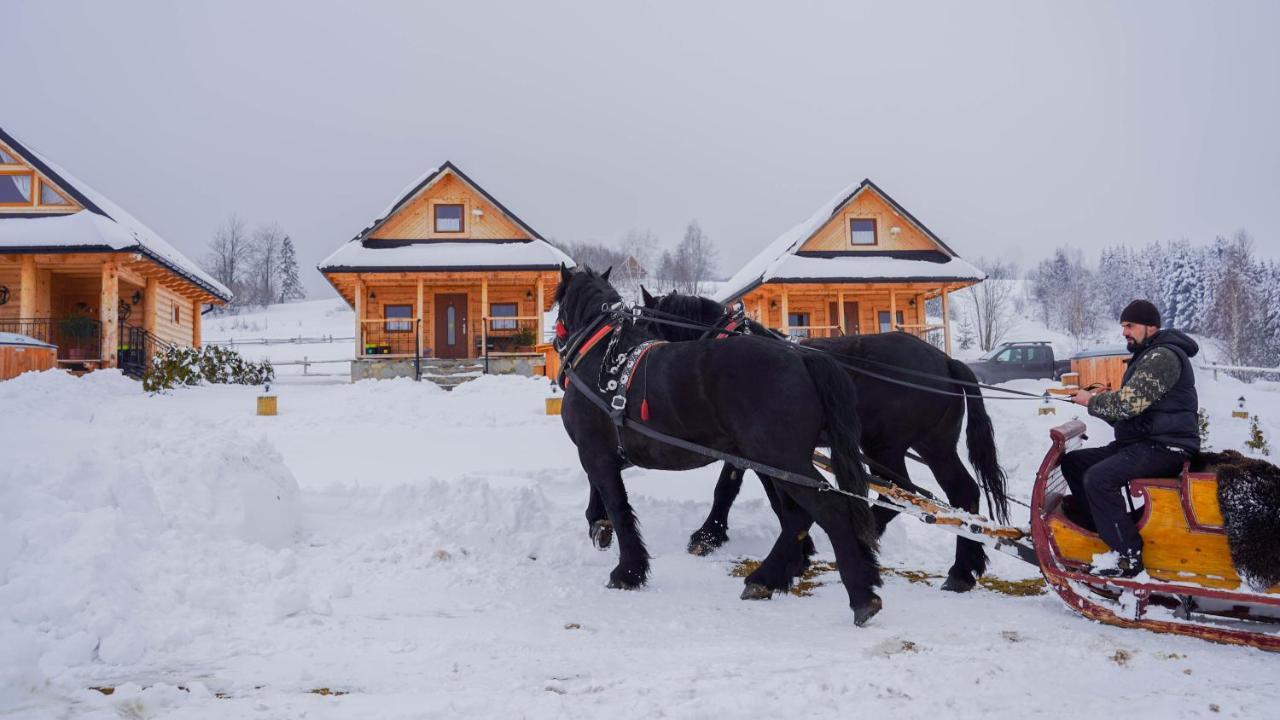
{"x": 1018, "y": 360}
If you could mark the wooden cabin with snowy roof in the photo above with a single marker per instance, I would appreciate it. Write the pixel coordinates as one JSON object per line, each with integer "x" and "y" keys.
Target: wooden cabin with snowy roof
{"x": 446, "y": 272}
{"x": 80, "y": 273}
{"x": 860, "y": 264}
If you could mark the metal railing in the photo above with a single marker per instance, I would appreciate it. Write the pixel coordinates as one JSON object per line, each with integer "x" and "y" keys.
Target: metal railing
{"x": 507, "y": 337}
{"x": 814, "y": 331}
{"x": 935, "y": 335}
{"x": 392, "y": 338}
{"x": 78, "y": 337}
{"x": 136, "y": 349}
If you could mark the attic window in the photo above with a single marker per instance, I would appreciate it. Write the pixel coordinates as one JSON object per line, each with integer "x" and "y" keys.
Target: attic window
{"x": 862, "y": 231}
{"x": 6, "y": 158}
{"x": 50, "y": 196}
{"x": 16, "y": 189}
{"x": 448, "y": 218}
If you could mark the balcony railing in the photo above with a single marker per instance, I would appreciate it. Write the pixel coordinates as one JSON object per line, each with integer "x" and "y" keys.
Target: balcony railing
{"x": 814, "y": 331}
{"x": 508, "y": 335}
{"x": 79, "y": 338}
{"x": 935, "y": 335}
{"x": 393, "y": 337}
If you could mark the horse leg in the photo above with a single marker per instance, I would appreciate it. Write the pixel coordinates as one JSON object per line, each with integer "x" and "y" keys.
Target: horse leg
{"x": 604, "y": 470}
{"x": 787, "y": 560}
{"x": 896, "y": 461}
{"x": 775, "y": 502}
{"x": 599, "y": 529}
{"x": 856, "y": 561}
{"x": 962, "y": 492}
{"x": 714, "y": 530}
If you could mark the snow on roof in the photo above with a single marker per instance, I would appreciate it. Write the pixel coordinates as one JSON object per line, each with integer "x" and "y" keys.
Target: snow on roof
{"x": 104, "y": 224}
{"x": 8, "y": 338}
{"x": 778, "y": 260}
{"x": 534, "y": 254}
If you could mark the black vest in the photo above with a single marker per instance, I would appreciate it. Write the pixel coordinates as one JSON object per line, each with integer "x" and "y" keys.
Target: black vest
{"x": 1172, "y": 419}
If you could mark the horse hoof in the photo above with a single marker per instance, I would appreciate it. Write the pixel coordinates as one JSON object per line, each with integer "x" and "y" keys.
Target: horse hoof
{"x": 863, "y": 613}
{"x": 700, "y": 549}
{"x": 602, "y": 534}
{"x": 756, "y": 591}
{"x": 958, "y": 585}
{"x": 625, "y": 579}
{"x": 704, "y": 542}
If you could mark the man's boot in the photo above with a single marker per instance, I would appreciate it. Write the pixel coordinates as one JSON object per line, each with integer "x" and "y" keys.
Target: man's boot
{"x": 1127, "y": 565}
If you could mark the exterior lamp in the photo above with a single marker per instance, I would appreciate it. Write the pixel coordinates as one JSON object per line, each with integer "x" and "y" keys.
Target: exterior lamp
{"x": 1240, "y": 411}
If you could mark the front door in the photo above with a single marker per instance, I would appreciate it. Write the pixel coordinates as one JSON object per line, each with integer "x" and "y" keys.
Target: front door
{"x": 451, "y": 326}
{"x": 851, "y": 324}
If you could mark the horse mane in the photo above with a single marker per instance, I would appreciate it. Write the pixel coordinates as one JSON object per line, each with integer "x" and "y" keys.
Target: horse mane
{"x": 590, "y": 290}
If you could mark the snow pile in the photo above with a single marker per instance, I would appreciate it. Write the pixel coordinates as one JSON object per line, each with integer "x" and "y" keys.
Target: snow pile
{"x": 115, "y": 522}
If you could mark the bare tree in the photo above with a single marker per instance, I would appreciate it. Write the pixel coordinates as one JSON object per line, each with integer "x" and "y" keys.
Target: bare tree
{"x": 1236, "y": 319}
{"x": 228, "y": 253}
{"x": 695, "y": 260}
{"x": 268, "y": 246}
{"x": 992, "y": 301}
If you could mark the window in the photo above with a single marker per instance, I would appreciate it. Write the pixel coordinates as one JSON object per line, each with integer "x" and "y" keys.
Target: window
{"x": 1012, "y": 355}
{"x": 799, "y": 324}
{"x": 398, "y": 311}
{"x": 177, "y": 314}
{"x": 497, "y": 310}
{"x": 448, "y": 218}
{"x": 884, "y": 320}
{"x": 16, "y": 189}
{"x": 862, "y": 231}
{"x": 6, "y": 158}
{"x": 50, "y": 196}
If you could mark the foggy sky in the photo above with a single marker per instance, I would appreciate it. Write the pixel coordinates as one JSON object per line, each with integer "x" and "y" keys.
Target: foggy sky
{"x": 1008, "y": 128}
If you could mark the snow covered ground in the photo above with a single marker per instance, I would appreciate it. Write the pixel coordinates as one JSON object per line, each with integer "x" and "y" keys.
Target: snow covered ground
{"x": 425, "y": 554}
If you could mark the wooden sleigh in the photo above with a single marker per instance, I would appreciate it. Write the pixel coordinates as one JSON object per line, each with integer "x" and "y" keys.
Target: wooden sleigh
{"x": 1190, "y": 586}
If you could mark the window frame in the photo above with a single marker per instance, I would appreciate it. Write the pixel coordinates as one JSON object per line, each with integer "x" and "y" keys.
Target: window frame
{"x": 901, "y": 320}
{"x": 511, "y": 325}
{"x": 806, "y": 322}
{"x": 875, "y": 231}
{"x": 35, "y": 187}
{"x": 462, "y": 218}
{"x": 396, "y": 324}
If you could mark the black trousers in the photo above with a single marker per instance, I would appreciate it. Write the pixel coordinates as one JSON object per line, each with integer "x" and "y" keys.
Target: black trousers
{"x": 1099, "y": 475}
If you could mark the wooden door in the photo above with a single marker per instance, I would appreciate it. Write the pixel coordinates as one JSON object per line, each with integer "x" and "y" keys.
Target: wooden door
{"x": 851, "y": 324}
{"x": 451, "y": 326}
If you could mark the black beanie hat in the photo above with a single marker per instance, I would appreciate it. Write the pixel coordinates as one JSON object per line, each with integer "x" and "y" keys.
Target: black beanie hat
{"x": 1142, "y": 313}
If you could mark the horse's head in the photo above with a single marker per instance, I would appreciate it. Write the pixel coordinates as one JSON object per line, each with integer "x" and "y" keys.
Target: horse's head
{"x": 581, "y": 294}
{"x": 696, "y": 309}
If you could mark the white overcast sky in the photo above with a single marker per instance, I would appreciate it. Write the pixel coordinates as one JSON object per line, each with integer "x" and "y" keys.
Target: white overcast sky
{"x": 1008, "y": 128}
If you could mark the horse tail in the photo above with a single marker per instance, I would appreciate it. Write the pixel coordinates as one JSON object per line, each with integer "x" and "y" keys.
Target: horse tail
{"x": 980, "y": 437}
{"x": 839, "y": 398}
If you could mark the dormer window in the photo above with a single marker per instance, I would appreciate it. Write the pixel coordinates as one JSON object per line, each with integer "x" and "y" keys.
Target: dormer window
{"x": 50, "y": 196}
{"x": 862, "y": 231}
{"x": 448, "y": 218}
{"x": 16, "y": 189}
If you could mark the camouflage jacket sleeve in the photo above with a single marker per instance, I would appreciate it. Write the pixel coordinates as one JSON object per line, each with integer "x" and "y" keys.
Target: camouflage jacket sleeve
{"x": 1156, "y": 373}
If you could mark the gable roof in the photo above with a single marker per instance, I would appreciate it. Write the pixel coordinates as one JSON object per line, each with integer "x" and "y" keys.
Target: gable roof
{"x": 781, "y": 261}
{"x": 102, "y": 226}
{"x": 364, "y": 254}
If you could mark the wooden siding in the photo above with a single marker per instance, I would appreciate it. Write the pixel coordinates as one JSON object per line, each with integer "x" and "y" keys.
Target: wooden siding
{"x": 181, "y": 332}
{"x": 817, "y": 299}
{"x": 834, "y": 235}
{"x": 10, "y": 277}
{"x": 16, "y": 360}
{"x": 416, "y": 220}
{"x": 1107, "y": 370}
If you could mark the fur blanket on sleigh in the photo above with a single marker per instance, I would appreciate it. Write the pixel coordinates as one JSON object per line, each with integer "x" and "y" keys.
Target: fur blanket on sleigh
{"x": 1249, "y": 497}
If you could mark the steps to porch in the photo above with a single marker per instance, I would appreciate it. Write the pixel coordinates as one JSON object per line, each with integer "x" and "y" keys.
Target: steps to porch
{"x": 449, "y": 374}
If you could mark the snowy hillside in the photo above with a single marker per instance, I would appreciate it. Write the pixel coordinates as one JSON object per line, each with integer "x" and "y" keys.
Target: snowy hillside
{"x": 425, "y": 554}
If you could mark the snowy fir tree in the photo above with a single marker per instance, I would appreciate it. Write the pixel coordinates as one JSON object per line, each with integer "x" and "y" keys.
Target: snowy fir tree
{"x": 290, "y": 285}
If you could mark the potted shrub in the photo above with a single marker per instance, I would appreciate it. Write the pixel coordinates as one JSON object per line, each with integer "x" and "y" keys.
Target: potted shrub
{"x": 523, "y": 339}
{"x": 76, "y": 329}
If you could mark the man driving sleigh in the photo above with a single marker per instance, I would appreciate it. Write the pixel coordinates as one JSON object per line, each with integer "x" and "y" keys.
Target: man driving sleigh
{"x": 1154, "y": 417}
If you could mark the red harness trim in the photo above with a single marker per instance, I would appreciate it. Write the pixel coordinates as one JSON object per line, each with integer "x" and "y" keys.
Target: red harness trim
{"x": 635, "y": 370}
{"x": 728, "y": 329}
{"x": 590, "y": 343}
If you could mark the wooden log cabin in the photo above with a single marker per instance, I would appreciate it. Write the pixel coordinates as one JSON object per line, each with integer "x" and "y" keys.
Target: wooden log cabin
{"x": 444, "y": 275}
{"x": 80, "y": 273}
{"x": 860, "y": 264}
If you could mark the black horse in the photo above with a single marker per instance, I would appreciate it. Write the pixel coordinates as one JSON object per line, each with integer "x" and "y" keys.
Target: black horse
{"x": 751, "y": 397}
{"x": 893, "y": 417}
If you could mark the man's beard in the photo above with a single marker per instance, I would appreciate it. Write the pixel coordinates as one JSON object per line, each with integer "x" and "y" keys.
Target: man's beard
{"x": 1134, "y": 345}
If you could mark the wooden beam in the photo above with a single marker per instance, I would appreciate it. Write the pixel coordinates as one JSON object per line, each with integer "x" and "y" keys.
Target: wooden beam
{"x": 421, "y": 340}
{"x": 150, "y": 303}
{"x": 27, "y": 286}
{"x": 785, "y": 325}
{"x": 195, "y": 322}
{"x": 540, "y": 308}
{"x": 893, "y": 310}
{"x": 484, "y": 312}
{"x": 44, "y": 293}
{"x": 946, "y": 323}
{"x": 359, "y": 308}
{"x": 108, "y": 305}
{"x": 840, "y": 311}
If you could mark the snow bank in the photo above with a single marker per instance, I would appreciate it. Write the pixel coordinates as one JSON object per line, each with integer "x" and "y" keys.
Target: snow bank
{"x": 113, "y": 515}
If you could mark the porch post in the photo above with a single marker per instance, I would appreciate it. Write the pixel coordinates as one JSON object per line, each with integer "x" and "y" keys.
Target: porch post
{"x": 786, "y": 313}
{"x": 27, "y": 288}
{"x": 195, "y": 323}
{"x": 946, "y": 323}
{"x": 421, "y": 314}
{"x": 484, "y": 316}
{"x": 108, "y": 306}
{"x": 840, "y": 310}
{"x": 538, "y": 310}
{"x": 150, "y": 301}
{"x": 893, "y": 309}
{"x": 359, "y": 308}
{"x": 44, "y": 293}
